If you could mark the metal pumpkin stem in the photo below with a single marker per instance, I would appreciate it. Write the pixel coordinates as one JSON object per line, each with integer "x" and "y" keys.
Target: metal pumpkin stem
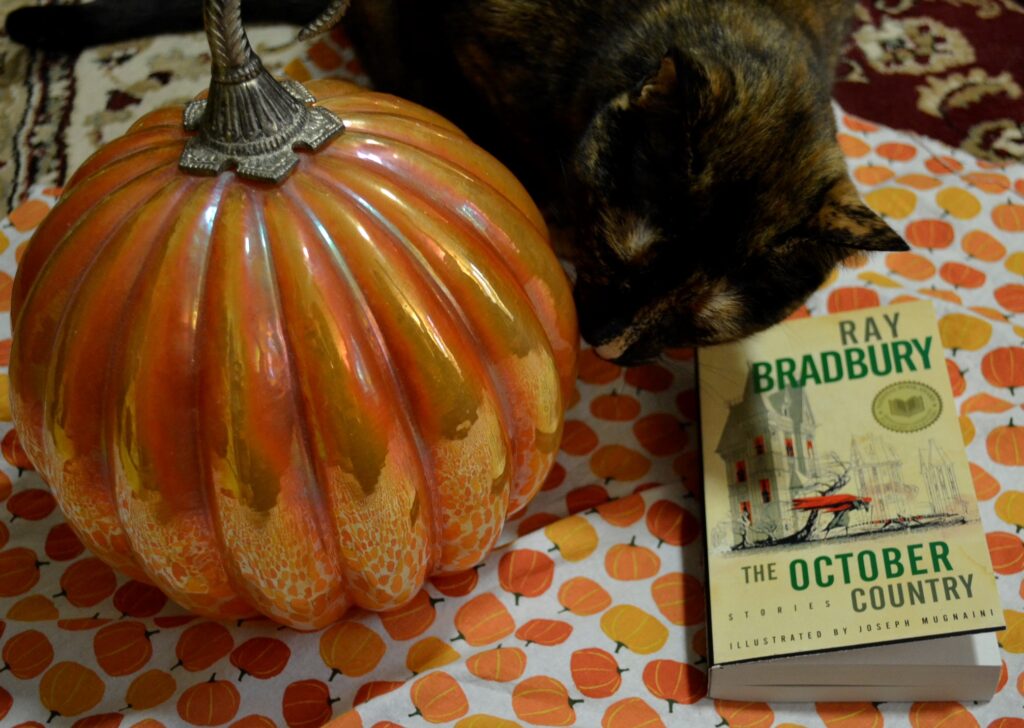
{"x": 250, "y": 121}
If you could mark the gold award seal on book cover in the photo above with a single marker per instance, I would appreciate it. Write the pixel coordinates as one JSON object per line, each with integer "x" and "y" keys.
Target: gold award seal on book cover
{"x": 906, "y": 407}
{"x": 839, "y": 504}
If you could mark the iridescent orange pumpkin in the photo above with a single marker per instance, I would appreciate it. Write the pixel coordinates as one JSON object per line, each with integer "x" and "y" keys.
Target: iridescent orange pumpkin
{"x": 291, "y": 398}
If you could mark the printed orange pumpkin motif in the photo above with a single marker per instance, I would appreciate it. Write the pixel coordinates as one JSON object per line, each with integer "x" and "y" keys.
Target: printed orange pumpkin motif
{"x": 14, "y": 453}
{"x": 69, "y": 689}
{"x": 261, "y": 657}
{"x": 87, "y": 582}
{"x": 525, "y": 573}
{"x": 961, "y": 331}
{"x": 82, "y": 625}
{"x": 595, "y": 370}
{"x": 32, "y": 504}
{"x": 583, "y": 596}
{"x": 896, "y": 151}
{"x": 910, "y": 265}
{"x": 104, "y": 720}
{"x": 852, "y": 146}
{"x": 740, "y": 714}
{"x": 483, "y": 620}
{"x": 122, "y": 648}
{"x": 1004, "y": 367}
{"x": 850, "y": 715}
{"x": 960, "y": 275}
{"x": 675, "y": 682}
{"x": 985, "y": 403}
{"x": 351, "y": 719}
{"x": 150, "y": 689}
{"x": 649, "y": 377}
{"x": 411, "y": 619}
{"x": 630, "y": 562}
{"x": 679, "y": 597}
{"x": 37, "y": 608}
{"x": 354, "y": 365}
{"x": 919, "y": 181}
{"x": 1012, "y": 638}
{"x": 672, "y": 524}
{"x": 203, "y": 644}
{"x": 374, "y": 689}
{"x": 630, "y": 626}
{"x": 1005, "y": 444}
{"x": 1009, "y": 217}
{"x": 547, "y": 632}
{"x": 485, "y": 721}
{"x": 438, "y": 698}
{"x": 615, "y": 407}
{"x": 979, "y": 244}
{"x": 1007, "y": 551}
{"x": 555, "y": 478}
{"x": 851, "y": 298}
{"x": 985, "y": 486}
{"x": 943, "y": 165}
{"x": 307, "y": 704}
{"x": 19, "y": 571}
{"x": 872, "y": 175}
{"x": 892, "y": 202}
{"x": 429, "y": 653}
{"x": 351, "y": 649}
{"x": 501, "y": 664}
{"x": 574, "y": 538}
{"x": 631, "y": 713}
{"x": 1010, "y": 508}
{"x": 27, "y": 654}
{"x": 956, "y": 378}
{"x": 1011, "y": 297}
{"x": 543, "y": 701}
{"x": 958, "y": 202}
{"x": 586, "y": 497}
{"x": 209, "y": 703}
{"x": 535, "y": 522}
{"x": 941, "y": 715}
{"x": 135, "y": 599}
{"x": 62, "y": 544}
{"x": 578, "y": 438}
{"x": 252, "y": 721}
{"x": 622, "y": 512}
{"x": 619, "y": 463}
{"x": 595, "y": 672}
{"x": 930, "y": 234}
{"x": 660, "y": 434}
{"x": 458, "y": 584}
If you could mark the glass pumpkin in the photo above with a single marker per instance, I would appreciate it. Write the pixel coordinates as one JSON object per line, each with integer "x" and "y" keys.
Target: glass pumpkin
{"x": 306, "y": 382}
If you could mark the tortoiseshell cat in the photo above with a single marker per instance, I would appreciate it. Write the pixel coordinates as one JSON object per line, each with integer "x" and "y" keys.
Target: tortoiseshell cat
{"x": 689, "y": 144}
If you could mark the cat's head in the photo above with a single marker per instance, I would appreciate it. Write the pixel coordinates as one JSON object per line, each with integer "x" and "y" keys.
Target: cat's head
{"x": 712, "y": 199}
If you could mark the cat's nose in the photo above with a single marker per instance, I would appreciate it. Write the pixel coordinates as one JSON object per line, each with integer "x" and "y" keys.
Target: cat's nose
{"x": 613, "y": 349}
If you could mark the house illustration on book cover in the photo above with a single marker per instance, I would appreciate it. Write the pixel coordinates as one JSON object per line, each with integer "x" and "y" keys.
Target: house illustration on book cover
{"x": 785, "y": 488}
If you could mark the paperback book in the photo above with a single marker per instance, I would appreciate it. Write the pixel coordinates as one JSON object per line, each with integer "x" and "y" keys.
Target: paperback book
{"x": 845, "y": 554}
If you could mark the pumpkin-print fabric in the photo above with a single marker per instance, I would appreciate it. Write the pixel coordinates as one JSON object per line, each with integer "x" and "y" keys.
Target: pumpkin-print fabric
{"x": 592, "y": 612}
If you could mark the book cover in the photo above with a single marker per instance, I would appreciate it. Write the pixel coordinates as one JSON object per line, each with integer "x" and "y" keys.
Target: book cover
{"x": 840, "y": 510}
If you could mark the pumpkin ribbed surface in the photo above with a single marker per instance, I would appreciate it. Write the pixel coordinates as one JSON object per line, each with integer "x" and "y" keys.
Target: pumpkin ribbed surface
{"x": 290, "y": 399}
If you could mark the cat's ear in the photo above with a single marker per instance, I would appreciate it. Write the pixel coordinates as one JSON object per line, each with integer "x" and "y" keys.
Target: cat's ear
{"x": 682, "y": 80}
{"x": 845, "y": 220}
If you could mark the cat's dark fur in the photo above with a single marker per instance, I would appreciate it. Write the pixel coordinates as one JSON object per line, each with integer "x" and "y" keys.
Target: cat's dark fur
{"x": 689, "y": 144}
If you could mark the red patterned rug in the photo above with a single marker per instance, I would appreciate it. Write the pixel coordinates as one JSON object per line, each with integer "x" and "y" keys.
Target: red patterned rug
{"x": 950, "y": 69}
